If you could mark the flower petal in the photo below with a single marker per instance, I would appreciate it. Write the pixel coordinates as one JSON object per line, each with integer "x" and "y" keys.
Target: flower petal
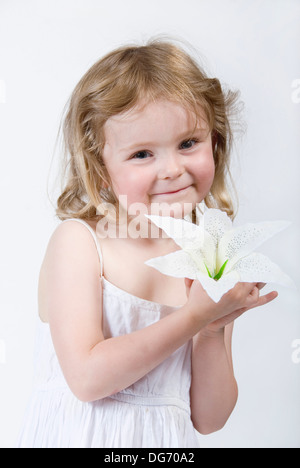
{"x": 216, "y": 289}
{"x": 241, "y": 241}
{"x": 216, "y": 222}
{"x": 178, "y": 264}
{"x": 258, "y": 268}
{"x": 183, "y": 232}
{"x": 191, "y": 238}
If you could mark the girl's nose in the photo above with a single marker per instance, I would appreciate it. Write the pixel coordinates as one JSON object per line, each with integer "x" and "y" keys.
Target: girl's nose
{"x": 171, "y": 167}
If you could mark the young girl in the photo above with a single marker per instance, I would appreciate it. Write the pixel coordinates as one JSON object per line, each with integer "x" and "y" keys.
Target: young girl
{"x": 128, "y": 357}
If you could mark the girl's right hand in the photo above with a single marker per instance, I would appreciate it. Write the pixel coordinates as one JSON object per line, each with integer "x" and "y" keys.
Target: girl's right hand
{"x": 242, "y": 297}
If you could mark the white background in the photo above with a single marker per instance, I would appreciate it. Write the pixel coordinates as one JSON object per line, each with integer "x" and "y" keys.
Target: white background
{"x": 45, "y": 47}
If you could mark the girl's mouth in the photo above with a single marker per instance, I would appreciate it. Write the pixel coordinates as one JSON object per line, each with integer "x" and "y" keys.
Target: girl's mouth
{"x": 173, "y": 192}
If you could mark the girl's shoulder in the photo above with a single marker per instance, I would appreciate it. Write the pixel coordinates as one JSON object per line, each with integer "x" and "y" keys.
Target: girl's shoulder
{"x": 71, "y": 258}
{"x": 71, "y": 239}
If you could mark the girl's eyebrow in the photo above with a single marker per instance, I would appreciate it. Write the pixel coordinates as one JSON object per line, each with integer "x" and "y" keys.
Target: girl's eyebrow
{"x": 184, "y": 135}
{"x": 137, "y": 145}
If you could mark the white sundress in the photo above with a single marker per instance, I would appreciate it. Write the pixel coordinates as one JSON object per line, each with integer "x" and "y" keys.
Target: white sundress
{"x": 154, "y": 412}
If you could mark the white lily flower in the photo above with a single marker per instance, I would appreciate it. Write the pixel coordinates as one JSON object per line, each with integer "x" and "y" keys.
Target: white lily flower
{"x": 217, "y": 254}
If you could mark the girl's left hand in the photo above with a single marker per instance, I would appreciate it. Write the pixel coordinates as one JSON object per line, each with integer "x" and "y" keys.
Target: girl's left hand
{"x": 219, "y": 325}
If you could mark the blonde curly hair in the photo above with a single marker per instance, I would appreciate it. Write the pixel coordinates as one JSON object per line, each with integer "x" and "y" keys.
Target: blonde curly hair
{"x": 117, "y": 83}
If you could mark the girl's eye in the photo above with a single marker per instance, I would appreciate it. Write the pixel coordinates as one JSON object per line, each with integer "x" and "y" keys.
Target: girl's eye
{"x": 188, "y": 144}
{"x": 141, "y": 155}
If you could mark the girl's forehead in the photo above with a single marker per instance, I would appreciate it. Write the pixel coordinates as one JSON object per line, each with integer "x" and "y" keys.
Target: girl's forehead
{"x": 154, "y": 113}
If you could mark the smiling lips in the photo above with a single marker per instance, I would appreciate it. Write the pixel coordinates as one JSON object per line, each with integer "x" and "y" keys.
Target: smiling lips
{"x": 174, "y": 192}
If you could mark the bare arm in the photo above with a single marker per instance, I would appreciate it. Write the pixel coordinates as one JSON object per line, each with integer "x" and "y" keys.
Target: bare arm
{"x": 95, "y": 367}
{"x": 214, "y": 390}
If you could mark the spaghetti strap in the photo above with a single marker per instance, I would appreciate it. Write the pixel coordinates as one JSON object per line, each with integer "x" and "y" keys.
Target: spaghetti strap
{"x": 94, "y": 237}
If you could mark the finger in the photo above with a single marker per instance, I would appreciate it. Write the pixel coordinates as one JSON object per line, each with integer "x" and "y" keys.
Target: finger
{"x": 253, "y": 297}
{"x": 268, "y": 298}
{"x": 244, "y": 288}
{"x": 250, "y": 287}
{"x": 260, "y": 285}
{"x": 255, "y": 292}
{"x": 188, "y": 284}
{"x": 263, "y": 300}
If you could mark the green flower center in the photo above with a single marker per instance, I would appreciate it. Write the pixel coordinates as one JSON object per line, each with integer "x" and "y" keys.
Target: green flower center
{"x": 220, "y": 272}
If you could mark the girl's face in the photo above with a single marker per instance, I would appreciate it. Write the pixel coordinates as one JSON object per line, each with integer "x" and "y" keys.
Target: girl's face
{"x": 155, "y": 155}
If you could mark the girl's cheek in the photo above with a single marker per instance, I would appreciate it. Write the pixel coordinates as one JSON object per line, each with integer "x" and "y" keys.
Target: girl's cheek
{"x": 205, "y": 171}
{"x": 133, "y": 184}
